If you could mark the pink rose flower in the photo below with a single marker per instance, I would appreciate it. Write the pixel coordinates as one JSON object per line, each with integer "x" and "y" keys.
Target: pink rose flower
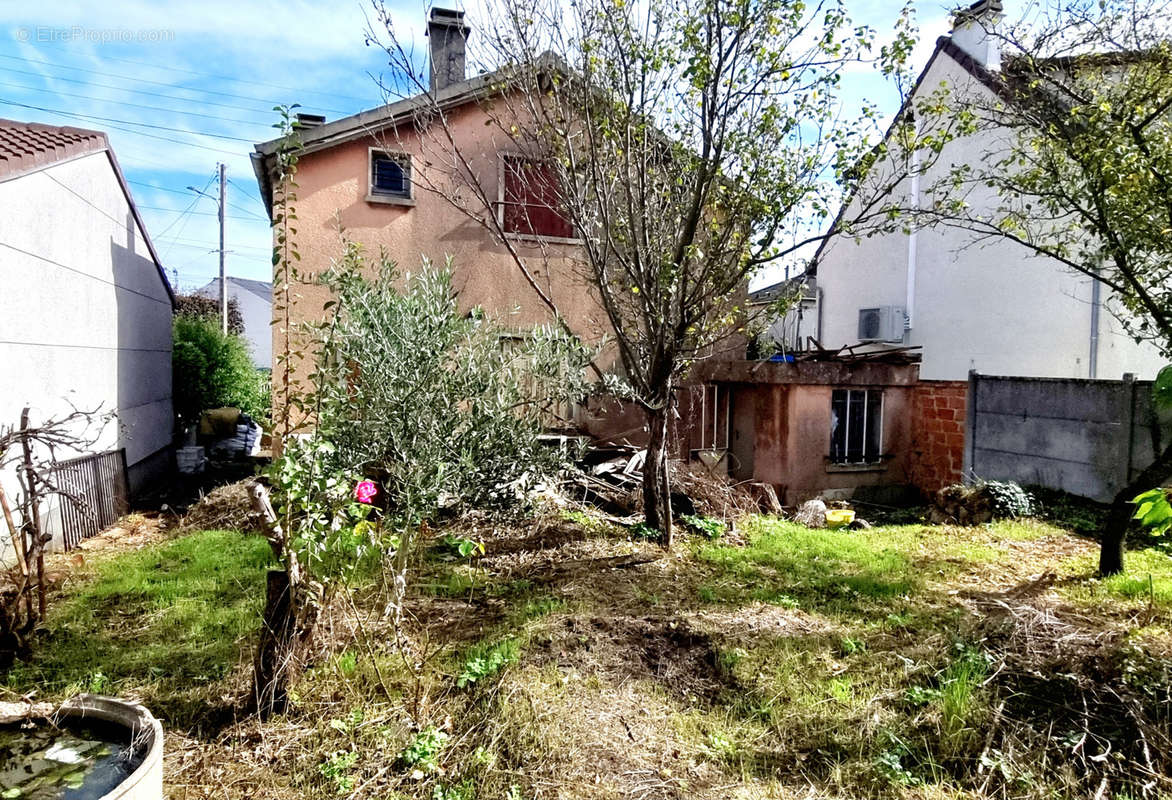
{"x": 365, "y": 491}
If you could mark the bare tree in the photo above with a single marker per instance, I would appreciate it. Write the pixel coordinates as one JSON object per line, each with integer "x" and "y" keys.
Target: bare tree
{"x": 30, "y": 449}
{"x": 679, "y": 146}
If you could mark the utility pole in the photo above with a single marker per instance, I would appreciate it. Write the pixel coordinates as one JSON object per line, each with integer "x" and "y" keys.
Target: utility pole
{"x": 223, "y": 277}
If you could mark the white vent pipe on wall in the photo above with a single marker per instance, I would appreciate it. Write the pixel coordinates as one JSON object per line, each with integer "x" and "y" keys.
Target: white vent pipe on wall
{"x": 909, "y": 305}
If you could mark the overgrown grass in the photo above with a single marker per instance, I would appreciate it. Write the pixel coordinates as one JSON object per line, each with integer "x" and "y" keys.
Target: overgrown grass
{"x": 845, "y": 572}
{"x": 839, "y": 662}
{"x": 164, "y": 623}
{"x": 790, "y": 565}
{"x": 1146, "y": 583}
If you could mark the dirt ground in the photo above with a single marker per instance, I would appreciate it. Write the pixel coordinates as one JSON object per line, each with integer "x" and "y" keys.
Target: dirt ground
{"x": 716, "y": 671}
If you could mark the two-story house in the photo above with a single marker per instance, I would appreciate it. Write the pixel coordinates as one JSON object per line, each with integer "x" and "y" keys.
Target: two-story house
{"x": 988, "y": 306}
{"x": 967, "y": 304}
{"x": 371, "y": 175}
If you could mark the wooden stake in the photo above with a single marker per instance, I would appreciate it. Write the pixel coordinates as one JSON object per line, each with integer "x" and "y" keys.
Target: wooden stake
{"x": 31, "y": 477}
{"x": 17, "y": 539}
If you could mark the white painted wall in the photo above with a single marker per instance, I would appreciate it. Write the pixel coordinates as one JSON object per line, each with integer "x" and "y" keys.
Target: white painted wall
{"x": 84, "y": 315}
{"x": 791, "y": 329}
{"x": 990, "y": 307}
{"x": 258, "y": 319}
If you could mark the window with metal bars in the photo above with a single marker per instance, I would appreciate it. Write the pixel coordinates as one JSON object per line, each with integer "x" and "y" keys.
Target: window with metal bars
{"x": 390, "y": 174}
{"x": 856, "y": 426}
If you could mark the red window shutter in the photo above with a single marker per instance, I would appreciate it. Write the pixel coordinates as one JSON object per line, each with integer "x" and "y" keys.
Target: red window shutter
{"x": 531, "y": 200}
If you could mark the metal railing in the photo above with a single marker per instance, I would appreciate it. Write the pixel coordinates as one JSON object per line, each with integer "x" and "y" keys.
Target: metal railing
{"x": 92, "y": 493}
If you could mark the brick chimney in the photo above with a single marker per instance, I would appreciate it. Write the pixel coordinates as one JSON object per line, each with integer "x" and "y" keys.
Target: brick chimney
{"x": 974, "y": 32}
{"x": 448, "y": 35}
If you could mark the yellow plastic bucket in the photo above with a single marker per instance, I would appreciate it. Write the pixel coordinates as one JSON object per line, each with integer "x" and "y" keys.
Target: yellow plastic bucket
{"x": 839, "y": 517}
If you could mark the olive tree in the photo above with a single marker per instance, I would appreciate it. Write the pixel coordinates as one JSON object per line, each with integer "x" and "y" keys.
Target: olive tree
{"x": 410, "y": 409}
{"x": 682, "y": 145}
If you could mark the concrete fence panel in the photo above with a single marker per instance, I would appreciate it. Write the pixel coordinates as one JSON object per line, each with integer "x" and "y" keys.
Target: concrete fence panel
{"x": 1087, "y": 437}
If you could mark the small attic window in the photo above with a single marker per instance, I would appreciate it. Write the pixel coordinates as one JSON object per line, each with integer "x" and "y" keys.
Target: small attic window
{"x": 390, "y": 175}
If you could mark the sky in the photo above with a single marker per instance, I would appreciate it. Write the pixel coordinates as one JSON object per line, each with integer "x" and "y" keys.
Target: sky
{"x": 180, "y": 87}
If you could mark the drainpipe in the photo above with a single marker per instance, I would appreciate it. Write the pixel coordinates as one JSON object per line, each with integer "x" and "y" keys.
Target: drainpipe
{"x": 1096, "y": 301}
{"x": 818, "y": 300}
{"x": 909, "y": 306}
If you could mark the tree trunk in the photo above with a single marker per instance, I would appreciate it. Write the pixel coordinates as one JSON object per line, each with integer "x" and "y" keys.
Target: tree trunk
{"x": 290, "y": 621}
{"x": 290, "y": 616}
{"x": 656, "y": 477}
{"x": 270, "y": 666}
{"x": 1119, "y": 517}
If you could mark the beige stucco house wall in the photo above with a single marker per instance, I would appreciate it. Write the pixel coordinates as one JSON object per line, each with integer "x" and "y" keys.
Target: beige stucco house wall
{"x": 335, "y": 204}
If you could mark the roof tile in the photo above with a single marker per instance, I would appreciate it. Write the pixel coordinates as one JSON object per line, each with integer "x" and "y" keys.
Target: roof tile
{"x": 26, "y": 146}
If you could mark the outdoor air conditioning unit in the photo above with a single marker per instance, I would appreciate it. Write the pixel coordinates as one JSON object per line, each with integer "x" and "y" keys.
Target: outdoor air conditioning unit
{"x": 881, "y": 324}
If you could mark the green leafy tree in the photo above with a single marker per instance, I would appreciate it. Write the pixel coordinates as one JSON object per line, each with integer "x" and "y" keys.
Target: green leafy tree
{"x": 409, "y": 408}
{"x": 1077, "y": 168}
{"x": 684, "y": 144}
{"x": 210, "y": 369}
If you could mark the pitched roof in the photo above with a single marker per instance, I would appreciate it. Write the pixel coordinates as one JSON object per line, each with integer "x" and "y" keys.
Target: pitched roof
{"x": 262, "y": 289}
{"x": 767, "y": 294}
{"x": 26, "y": 147}
{"x": 978, "y": 72}
{"x": 29, "y": 146}
{"x": 366, "y": 123}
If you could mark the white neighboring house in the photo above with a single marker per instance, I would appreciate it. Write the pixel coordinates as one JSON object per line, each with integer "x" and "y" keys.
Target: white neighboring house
{"x": 255, "y": 301}
{"x": 792, "y": 330}
{"x": 85, "y": 309}
{"x": 986, "y": 307}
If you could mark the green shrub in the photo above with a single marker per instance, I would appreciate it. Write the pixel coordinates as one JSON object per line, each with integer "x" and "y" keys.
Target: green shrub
{"x": 210, "y": 369}
{"x": 712, "y": 528}
{"x": 436, "y": 405}
{"x": 337, "y": 768}
{"x": 196, "y": 305}
{"x": 1009, "y": 499}
{"x": 423, "y": 750}
{"x": 434, "y": 408}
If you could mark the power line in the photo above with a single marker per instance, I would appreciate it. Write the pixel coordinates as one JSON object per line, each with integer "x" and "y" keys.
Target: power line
{"x": 209, "y": 250}
{"x": 201, "y": 213}
{"x": 81, "y": 272}
{"x": 248, "y": 190}
{"x": 86, "y": 200}
{"x": 252, "y": 214}
{"x": 125, "y": 130}
{"x": 184, "y": 214}
{"x": 150, "y": 82}
{"x": 131, "y": 105}
{"x": 235, "y": 80}
{"x": 201, "y": 101}
{"x": 119, "y": 222}
{"x": 132, "y": 122}
{"x": 177, "y": 240}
